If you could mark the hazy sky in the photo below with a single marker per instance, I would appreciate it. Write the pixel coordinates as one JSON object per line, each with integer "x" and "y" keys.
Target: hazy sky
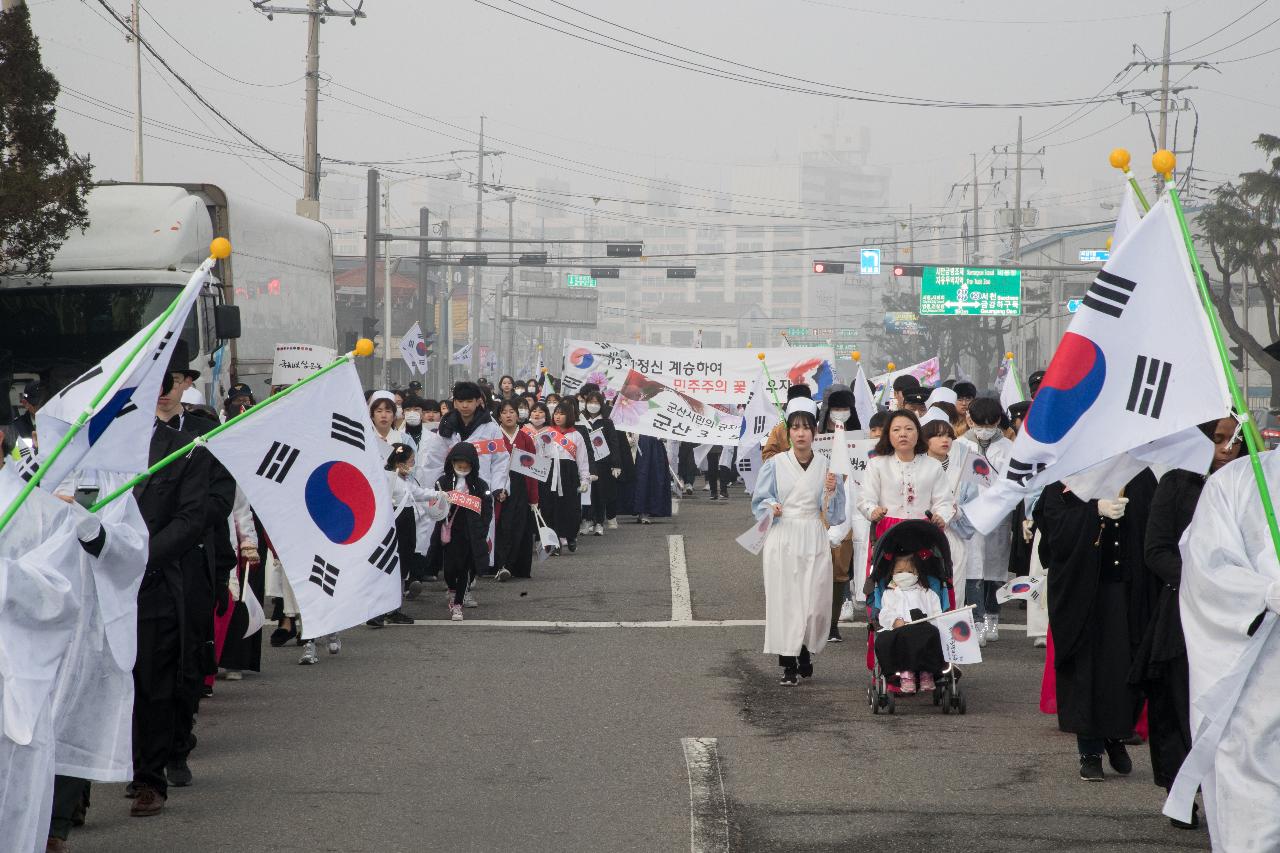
{"x": 451, "y": 60}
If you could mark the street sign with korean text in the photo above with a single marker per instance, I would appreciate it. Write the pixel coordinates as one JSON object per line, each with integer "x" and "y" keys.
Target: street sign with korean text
{"x": 870, "y": 264}
{"x": 985, "y": 291}
{"x": 1094, "y": 256}
{"x": 575, "y": 280}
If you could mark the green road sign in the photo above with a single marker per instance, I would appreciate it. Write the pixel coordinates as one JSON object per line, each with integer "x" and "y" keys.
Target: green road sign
{"x": 574, "y": 280}
{"x": 988, "y": 291}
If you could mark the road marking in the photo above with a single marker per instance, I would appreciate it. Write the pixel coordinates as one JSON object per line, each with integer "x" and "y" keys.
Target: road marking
{"x": 708, "y": 813}
{"x": 681, "y": 606}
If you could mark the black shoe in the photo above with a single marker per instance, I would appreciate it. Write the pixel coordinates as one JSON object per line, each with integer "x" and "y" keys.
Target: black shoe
{"x": 206, "y": 691}
{"x": 714, "y": 496}
{"x": 1091, "y": 768}
{"x": 724, "y": 496}
{"x": 399, "y": 617}
{"x": 1195, "y": 819}
{"x": 1118, "y": 758}
{"x": 573, "y": 547}
{"x": 377, "y": 622}
{"x": 413, "y": 590}
{"x": 806, "y": 670}
{"x": 834, "y": 636}
{"x": 178, "y": 773}
{"x": 789, "y": 678}
{"x": 131, "y": 790}
{"x": 280, "y": 636}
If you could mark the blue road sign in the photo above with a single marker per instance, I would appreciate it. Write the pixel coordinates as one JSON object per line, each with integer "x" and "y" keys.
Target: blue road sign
{"x": 870, "y": 262}
{"x": 1094, "y": 256}
{"x": 1073, "y": 305}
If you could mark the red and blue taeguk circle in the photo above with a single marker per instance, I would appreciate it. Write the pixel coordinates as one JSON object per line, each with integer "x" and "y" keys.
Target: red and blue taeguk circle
{"x": 421, "y": 347}
{"x": 1019, "y": 588}
{"x": 340, "y": 501}
{"x": 981, "y": 468}
{"x": 1071, "y": 385}
{"x": 581, "y": 358}
{"x": 960, "y": 632}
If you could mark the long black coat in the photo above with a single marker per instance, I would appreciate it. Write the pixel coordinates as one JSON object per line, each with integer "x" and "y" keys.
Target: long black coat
{"x": 173, "y": 505}
{"x": 1171, "y": 510}
{"x": 1098, "y": 604}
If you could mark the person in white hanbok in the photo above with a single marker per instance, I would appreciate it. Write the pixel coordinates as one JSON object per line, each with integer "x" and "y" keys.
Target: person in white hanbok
{"x": 987, "y": 566}
{"x": 902, "y": 481}
{"x": 797, "y": 489}
{"x": 1229, "y": 601}
{"x": 952, "y": 455}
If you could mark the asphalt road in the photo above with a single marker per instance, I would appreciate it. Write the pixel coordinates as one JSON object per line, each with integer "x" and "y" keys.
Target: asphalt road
{"x": 648, "y": 737}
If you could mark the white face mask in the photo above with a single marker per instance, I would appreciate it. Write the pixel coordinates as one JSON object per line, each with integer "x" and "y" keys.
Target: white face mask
{"x": 533, "y": 389}
{"x": 413, "y": 418}
{"x": 593, "y": 408}
{"x": 522, "y": 414}
{"x": 985, "y": 433}
{"x": 838, "y": 416}
{"x": 431, "y": 425}
{"x": 904, "y": 580}
{"x": 538, "y": 420}
{"x": 461, "y": 472}
{"x": 399, "y": 413}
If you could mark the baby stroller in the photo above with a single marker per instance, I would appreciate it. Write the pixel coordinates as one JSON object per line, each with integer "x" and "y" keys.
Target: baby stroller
{"x": 905, "y": 537}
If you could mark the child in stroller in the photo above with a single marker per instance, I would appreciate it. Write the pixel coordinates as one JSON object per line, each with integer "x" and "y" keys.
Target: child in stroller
{"x": 910, "y": 579}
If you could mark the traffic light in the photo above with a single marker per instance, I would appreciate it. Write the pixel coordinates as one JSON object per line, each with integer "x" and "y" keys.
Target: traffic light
{"x": 533, "y": 259}
{"x": 828, "y": 268}
{"x": 429, "y": 339}
{"x": 682, "y": 272}
{"x": 908, "y": 270}
{"x": 624, "y": 250}
{"x": 476, "y": 260}
{"x": 1237, "y": 356}
{"x": 370, "y": 327}
{"x": 606, "y": 272}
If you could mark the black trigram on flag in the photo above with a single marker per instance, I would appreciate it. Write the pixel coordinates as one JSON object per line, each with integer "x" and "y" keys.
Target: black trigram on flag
{"x": 164, "y": 344}
{"x": 276, "y": 464}
{"x": 324, "y": 575}
{"x": 1109, "y": 293}
{"x": 386, "y": 557}
{"x": 1019, "y": 472}
{"x": 1150, "y": 381}
{"x": 92, "y": 374}
{"x": 346, "y": 430}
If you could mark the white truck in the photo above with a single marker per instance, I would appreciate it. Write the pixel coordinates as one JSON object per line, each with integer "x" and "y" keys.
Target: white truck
{"x": 141, "y": 245}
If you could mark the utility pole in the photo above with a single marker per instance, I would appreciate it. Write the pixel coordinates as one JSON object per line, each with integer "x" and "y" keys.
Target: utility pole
{"x": 446, "y": 309}
{"x": 317, "y": 12}
{"x": 474, "y": 320}
{"x": 386, "y": 290}
{"x": 1164, "y": 85}
{"x": 370, "y": 262}
{"x": 426, "y": 302}
{"x": 498, "y": 294}
{"x": 137, "y": 92}
{"x": 1017, "y": 222}
{"x": 973, "y": 186}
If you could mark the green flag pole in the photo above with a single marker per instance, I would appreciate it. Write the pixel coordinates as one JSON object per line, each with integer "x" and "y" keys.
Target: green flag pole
{"x": 360, "y": 350}
{"x": 1164, "y": 161}
{"x": 47, "y": 463}
{"x": 1120, "y": 159}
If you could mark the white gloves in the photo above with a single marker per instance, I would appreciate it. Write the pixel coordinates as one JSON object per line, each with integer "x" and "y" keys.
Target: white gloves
{"x": 584, "y": 487}
{"x": 1273, "y": 597}
{"x": 88, "y": 527}
{"x": 616, "y": 472}
{"x": 1028, "y": 529}
{"x": 1113, "y": 510}
{"x": 835, "y": 536}
{"x": 595, "y": 477}
{"x": 233, "y": 586}
{"x": 249, "y": 551}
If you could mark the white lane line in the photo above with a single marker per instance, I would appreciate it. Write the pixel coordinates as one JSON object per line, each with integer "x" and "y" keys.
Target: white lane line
{"x": 681, "y": 606}
{"x": 708, "y": 813}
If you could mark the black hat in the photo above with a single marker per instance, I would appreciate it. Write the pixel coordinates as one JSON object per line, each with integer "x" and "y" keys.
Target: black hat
{"x": 467, "y": 391}
{"x": 965, "y": 390}
{"x": 915, "y": 396}
{"x": 180, "y": 358}
{"x": 1034, "y": 380}
{"x": 33, "y": 392}
{"x": 840, "y": 400}
{"x": 240, "y": 389}
{"x": 415, "y": 385}
{"x": 1019, "y": 410}
{"x": 799, "y": 390}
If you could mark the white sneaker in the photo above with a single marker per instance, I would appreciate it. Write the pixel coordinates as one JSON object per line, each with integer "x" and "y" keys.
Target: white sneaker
{"x": 584, "y": 528}
{"x": 981, "y": 628}
{"x": 1039, "y": 643}
{"x": 613, "y": 524}
{"x": 455, "y": 612}
{"x": 469, "y": 600}
{"x": 846, "y": 611}
{"x": 335, "y": 644}
{"x": 993, "y": 629}
{"x": 503, "y": 575}
{"x": 309, "y": 656}
{"x": 598, "y": 530}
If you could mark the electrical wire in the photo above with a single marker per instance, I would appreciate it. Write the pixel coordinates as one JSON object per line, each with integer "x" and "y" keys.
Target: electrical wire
{"x": 215, "y": 69}
{"x": 1226, "y": 26}
{"x": 1258, "y": 31}
{"x": 988, "y": 21}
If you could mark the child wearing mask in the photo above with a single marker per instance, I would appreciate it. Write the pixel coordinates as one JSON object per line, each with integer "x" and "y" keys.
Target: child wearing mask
{"x": 458, "y": 546}
{"x": 408, "y": 500}
{"x": 987, "y": 557}
{"x": 570, "y": 475}
{"x": 604, "y": 488}
{"x": 908, "y": 650}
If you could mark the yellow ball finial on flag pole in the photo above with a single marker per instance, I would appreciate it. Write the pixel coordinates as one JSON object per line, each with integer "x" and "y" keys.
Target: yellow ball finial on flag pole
{"x": 1119, "y": 159}
{"x": 1163, "y": 162}
{"x": 364, "y": 348}
{"x": 760, "y": 356}
{"x": 1109, "y": 239}
{"x": 891, "y": 366}
{"x": 220, "y": 248}
{"x": 1009, "y": 356}
{"x": 855, "y": 355}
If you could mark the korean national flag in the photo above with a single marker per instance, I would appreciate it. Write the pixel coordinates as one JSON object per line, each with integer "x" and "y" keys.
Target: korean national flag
{"x": 117, "y": 435}
{"x": 309, "y": 466}
{"x": 959, "y": 636}
{"x": 1137, "y": 364}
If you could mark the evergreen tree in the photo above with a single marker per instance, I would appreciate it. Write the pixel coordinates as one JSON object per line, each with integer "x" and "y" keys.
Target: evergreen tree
{"x": 42, "y": 184}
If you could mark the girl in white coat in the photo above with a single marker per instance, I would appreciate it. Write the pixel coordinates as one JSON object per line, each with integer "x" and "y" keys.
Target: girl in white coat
{"x": 800, "y": 493}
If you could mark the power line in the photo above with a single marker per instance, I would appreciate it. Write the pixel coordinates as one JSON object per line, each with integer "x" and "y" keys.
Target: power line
{"x": 1226, "y": 26}
{"x": 210, "y": 65}
{"x": 1258, "y": 31}
{"x": 988, "y": 21}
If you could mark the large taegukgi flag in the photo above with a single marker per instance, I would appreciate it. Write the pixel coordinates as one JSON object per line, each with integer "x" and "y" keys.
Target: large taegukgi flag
{"x": 117, "y": 436}
{"x": 1137, "y": 364}
{"x": 309, "y": 467}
